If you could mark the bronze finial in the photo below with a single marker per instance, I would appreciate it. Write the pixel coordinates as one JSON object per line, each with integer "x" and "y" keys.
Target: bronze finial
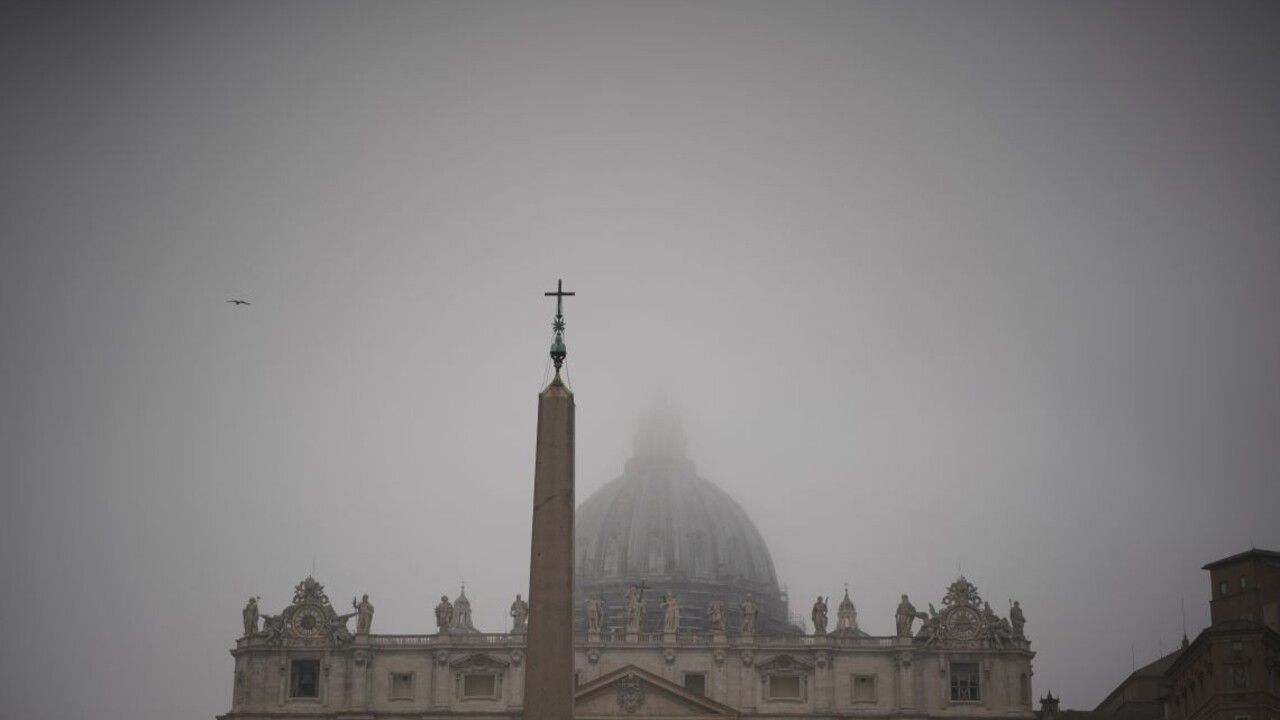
{"x": 558, "y": 349}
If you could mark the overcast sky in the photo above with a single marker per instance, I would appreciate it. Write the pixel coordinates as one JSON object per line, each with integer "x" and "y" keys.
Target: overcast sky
{"x": 941, "y": 286}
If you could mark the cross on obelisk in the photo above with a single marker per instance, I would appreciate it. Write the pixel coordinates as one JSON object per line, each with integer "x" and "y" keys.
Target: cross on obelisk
{"x": 558, "y": 349}
{"x": 548, "y": 688}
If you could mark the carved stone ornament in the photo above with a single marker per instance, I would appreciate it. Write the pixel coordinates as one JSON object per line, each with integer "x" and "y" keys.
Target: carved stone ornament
{"x": 669, "y": 656}
{"x": 718, "y": 657}
{"x": 310, "y": 590}
{"x": 593, "y": 656}
{"x": 904, "y": 659}
{"x": 310, "y": 620}
{"x": 442, "y": 657}
{"x": 821, "y": 660}
{"x": 785, "y": 663}
{"x": 965, "y": 621}
{"x": 517, "y": 657}
{"x": 361, "y": 658}
{"x": 479, "y": 662}
{"x": 962, "y": 623}
{"x": 962, "y": 593}
{"x": 630, "y": 694}
{"x": 748, "y": 658}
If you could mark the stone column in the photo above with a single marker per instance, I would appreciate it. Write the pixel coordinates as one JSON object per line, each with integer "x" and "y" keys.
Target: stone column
{"x": 823, "y": 690}
{"x": 906, "y": 679}
{"x": 549, "y": 661}
{"x": 440, "y": 680}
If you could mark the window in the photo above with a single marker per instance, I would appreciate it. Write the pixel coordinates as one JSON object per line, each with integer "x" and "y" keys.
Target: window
{"x": 864, "y": 688}
{"x": 1244, "y": 585}
{"x": 401, "y": 686}
{"x": 964, "y": 682}
{"x": 657, "y": 559}
{"x": 304, "y": 679}
{"x": 784, "y": 687}
{"x": 1222, "y": 588}
{"x": 1239, "y": 677}
{"x": 480, "y": 685}
{"x": 696, "y": 683}
{"x": 611, "y": 553}
{"x": 1237, "y": 648}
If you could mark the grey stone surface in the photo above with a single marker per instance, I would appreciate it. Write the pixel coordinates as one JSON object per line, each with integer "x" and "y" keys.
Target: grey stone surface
{"x": 550, "y": 657}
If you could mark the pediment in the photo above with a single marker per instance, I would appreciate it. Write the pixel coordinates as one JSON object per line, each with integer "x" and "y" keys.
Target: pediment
{"x": 479, "y": 662}
{"x": 633, "y": 692}
{"x": 785, "y": 663}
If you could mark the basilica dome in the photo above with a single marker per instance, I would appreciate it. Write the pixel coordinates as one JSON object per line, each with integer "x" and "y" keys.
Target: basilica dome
{"x": 662, "y": 525}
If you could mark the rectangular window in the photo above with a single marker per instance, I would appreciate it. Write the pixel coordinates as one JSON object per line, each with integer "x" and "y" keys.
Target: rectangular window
{"x": 964, "y": 682}
{"x": 696, "y": 683}
{"x": 480, "y": 686}
{"x": 1244, "y": 582}
{"x": 1239, "y": 677}
{"x": 304, "y": 679}
{"x": 784, "y": 687}
{"x": 864, "y": 688}
{"x": 401, "y": 686}
{"x": 657, "y": 559}
{"x": 1222, "y": 588}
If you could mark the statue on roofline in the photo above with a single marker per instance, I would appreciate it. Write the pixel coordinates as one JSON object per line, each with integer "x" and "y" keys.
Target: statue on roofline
{"x": 819, "y": 616}
{"x": 250, "y": 616}
{"x": 444, "y": 614}
{"x": 749, "y": 611}
{"x": 715, "y": 615}
{"x": 364, "y": 614}
{"x": 671, "y": 613}
{"x": 1018, "y": 620}
{"x": 519, "y": 615}
{"x": 634, "y": 608}
{"x": 595, "y": 614}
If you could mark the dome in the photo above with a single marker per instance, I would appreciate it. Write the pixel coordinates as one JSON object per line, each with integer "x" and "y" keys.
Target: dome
{"x": 661, "y": 524}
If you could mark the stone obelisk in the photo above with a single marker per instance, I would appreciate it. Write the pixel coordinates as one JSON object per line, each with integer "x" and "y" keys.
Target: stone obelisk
{"x": 548, "y": 680}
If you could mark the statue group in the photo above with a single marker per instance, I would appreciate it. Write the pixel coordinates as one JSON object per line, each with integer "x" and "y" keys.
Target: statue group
{"x": 633, "y": 608}
{"x": 965, "y": 617}
{"x": 309, "y": 618}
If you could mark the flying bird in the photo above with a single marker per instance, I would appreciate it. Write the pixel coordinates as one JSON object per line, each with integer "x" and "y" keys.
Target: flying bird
{"x": 240, "y": 302}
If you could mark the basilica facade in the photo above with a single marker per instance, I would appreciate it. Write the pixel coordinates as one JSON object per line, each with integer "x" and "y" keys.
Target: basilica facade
{"x": 679, "y": 615}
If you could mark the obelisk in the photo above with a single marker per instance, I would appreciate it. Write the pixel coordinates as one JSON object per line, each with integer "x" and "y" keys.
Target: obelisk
{"x": 548, "y": 680}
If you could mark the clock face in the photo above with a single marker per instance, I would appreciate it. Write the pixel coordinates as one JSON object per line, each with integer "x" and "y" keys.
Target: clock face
{"x": 963, "y": 623}
{"x": 308, "y": 620}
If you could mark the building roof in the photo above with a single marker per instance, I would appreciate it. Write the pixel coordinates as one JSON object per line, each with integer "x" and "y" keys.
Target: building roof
{"x": 1155, "y": 669}
{"x": 660, "y": 523}
{"x": 1270, "y": 557}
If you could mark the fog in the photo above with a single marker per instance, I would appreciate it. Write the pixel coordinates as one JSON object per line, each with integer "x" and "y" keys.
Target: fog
{"x": 935, "y": 288}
